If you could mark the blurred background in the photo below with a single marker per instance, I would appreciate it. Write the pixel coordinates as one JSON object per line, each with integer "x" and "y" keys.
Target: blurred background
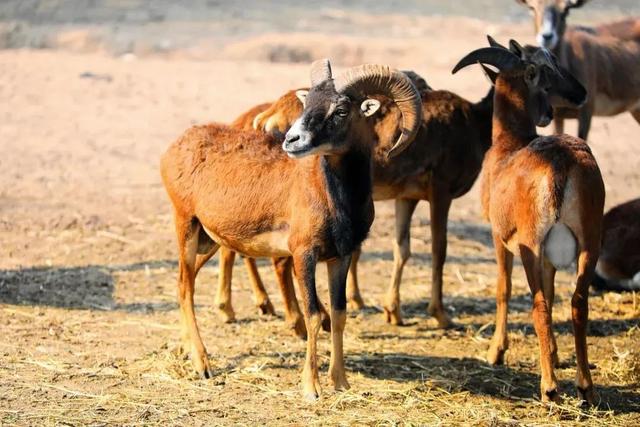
{"x": 250, "y": 29}
{"x": 94, "y": 90}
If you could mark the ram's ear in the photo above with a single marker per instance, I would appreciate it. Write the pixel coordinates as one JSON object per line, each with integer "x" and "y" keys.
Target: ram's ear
{"x": 301, "y": 94}
{"x": 369, "y": 107}
{"x": 489, "y": 73}
{"x": 532, "y": 75}
{"x": 516, "y": 49}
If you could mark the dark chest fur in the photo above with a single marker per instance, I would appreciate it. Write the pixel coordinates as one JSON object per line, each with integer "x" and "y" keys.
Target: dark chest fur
{"x": 349, "y": 187}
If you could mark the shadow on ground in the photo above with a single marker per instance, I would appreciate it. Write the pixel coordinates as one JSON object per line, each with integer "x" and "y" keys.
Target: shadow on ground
{"x": 88, "y": 287}
{"x": 456, "y": 375}
{"x": 478, "y": 377}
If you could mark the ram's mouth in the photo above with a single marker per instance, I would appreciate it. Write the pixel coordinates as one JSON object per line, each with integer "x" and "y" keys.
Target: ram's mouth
{"x": 296, "y": 152}
{"x": 544, "y": 121}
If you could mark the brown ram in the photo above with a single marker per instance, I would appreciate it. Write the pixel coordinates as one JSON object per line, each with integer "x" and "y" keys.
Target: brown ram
{"x": 544, "y": 197}
{"x": 605, "y": 59}
{"x": 618, "y": 267}
{"x": 441, "y": 165}
{"x": 308, "y": 198}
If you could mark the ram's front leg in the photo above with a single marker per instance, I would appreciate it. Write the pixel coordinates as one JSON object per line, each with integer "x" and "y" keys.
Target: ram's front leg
{"x": 304, "y": 264}
{"x": 338, "y": 270}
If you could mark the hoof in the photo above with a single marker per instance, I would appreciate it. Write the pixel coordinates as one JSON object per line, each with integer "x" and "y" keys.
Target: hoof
{"x": 326, "y": 322}
{"x": 299, "y": 328}
{"x": 206, "y": 374}
{"x": 586, "y": 396}
{"x": 393, "y": 316}
{"x": 495, "y": 356}
{"x": 339, "y": 382}
{"x": 311, "y": 390}
{"x": 441, "y": 316}
{"x": 226, "y": 313}
{"x": 552, "y": 396}
{"x": 355, "y": 302}
{"x": 202, "y": 367}
{"x": 311, "y": 396}
{"x": 266, "y": 308}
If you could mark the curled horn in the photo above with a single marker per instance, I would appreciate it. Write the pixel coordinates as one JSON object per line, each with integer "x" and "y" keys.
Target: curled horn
{"x": 371, "y": 79}
{"x": 320, "y": 71}
{"x": 500, "y": 58}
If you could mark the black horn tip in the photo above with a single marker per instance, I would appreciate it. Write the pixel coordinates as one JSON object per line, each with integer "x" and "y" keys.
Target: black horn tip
{"x": 320, "y": 71}
{"x": 500, "y": 58}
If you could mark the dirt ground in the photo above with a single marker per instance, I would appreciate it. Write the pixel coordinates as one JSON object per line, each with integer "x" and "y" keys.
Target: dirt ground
{"x": 88, "y": 312}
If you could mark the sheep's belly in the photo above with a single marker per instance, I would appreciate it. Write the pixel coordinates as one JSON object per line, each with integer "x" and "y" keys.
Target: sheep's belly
{"x": 268, "y": 244}
{"x": 606, "y": 106}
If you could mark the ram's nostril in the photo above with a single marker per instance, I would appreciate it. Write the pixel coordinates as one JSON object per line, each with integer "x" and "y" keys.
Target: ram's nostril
{"x": 292, "y": 138}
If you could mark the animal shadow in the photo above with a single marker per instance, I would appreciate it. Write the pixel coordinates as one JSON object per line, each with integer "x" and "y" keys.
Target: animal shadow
{"x": 88, "y": 287}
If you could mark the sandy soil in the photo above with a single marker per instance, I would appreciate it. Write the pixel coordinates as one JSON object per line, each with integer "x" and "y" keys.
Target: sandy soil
{"x": 87, "y": 258}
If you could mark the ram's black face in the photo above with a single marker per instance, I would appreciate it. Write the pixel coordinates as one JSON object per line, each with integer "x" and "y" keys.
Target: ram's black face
{"x": 324, "y": 124}
{"x": 539, "y": 104}
{"x": 561, "y": 87}
{"x": 566, "y": 90}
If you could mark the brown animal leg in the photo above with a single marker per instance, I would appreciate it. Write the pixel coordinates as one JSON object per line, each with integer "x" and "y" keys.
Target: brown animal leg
{"x": 260, "y": 296}
{"x": 187, "y": 230}
{"x": 500, "y": 341}
{"x": 558, "y": 126}
{"x": 223, "y": 296}
{"x": 305, "y": 267}
{"x": 401, "y": 253}
{"x": 292, "y": 314}
{"x": 201, "y": 259}
{"x": 548, "y": 287}
{"x": 354, "y": 299}
{"x": 324, "y": 315}
{"x": 439, "y": 205}
{"x": 541, "y": 321}
{"x": 584, "y": 121}
{"x": 636, "y": 115}
{"x": 338, "y": 270}
{"x": 580, "y": 316}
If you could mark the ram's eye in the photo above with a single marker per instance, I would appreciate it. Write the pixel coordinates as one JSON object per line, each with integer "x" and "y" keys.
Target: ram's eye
{"x": 342, "y": 112}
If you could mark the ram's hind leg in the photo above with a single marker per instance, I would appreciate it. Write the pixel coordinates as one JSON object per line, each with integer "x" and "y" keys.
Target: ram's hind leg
{"x": 500, "y": 340}
{"x": 223, "y": 294}
{"x": 260, "y": 296}
{"x": 292, "y": 314}
{"x": 587, "y": 260}
{"x": 531, "y": 259}
{"x": 439, "y": 204}
{"x": 401, "y": 253}
{"x": 548, "y": 287}
{"x": 354, "y": 298}
{"x": 187, "y": 231}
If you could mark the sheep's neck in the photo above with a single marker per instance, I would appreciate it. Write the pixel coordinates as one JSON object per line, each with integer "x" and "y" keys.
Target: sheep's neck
{"x": 349, "y": 186}
{"x": 513, "y": 127}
